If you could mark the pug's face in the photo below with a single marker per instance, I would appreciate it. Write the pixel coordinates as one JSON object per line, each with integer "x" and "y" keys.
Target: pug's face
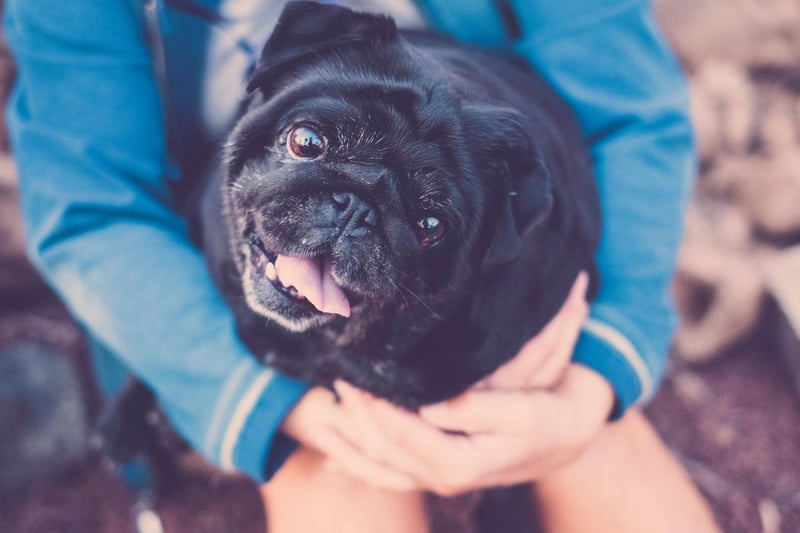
{"x": 361, "y": 178}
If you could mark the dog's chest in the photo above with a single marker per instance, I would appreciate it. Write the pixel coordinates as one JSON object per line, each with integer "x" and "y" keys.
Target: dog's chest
{"x": 377, "y": 351}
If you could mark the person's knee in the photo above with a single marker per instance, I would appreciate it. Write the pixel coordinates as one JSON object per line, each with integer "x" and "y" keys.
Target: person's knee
{"x": 307, "y": 496}
{"x": 626, "y": 480}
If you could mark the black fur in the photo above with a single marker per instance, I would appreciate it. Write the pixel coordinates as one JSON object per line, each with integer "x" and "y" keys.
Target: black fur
{"x": 417, "y": 124}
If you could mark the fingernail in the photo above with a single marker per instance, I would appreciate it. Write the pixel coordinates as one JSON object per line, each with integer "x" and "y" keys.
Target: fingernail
{"x": 583, "y": 281}
{"x": 341, "y": 387}
{"x": 483, "y": 384}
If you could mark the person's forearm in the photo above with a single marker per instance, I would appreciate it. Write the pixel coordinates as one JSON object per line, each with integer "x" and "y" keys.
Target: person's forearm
{"x": 86, "y": 125}
{"x": 146, "y": 294}
{"x": 611, "y": 64}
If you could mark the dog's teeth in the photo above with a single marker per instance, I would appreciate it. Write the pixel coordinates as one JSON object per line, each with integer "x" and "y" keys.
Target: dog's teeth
{"x": 293, "y": 292}
{"x": 270, "y": 272}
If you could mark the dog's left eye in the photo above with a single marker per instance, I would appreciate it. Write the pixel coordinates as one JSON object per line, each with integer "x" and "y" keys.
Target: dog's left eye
{"x": 430, "y": 231}
{"x": 304, "y": 142}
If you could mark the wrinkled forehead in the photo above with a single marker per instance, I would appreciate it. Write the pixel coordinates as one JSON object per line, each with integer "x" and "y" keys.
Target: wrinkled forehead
{"x": 410, "y": 129}
{"x": 384, "y": 105}
{"x": 375, "y": 113}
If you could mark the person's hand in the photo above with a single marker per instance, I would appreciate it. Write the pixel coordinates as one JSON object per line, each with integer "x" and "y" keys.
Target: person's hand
{"x": 510, "y": 432}
{"x": 318, "y": 422}
{"x": 503, "y": 437}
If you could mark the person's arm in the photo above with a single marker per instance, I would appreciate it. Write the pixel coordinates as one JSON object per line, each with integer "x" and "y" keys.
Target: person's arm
{"x": 611, "y": 63}
{"x": 88, "y": 137}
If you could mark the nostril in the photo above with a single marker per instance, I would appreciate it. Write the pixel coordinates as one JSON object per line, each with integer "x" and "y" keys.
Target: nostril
{"x": 369, "y": 218}
{"x": 355, "y": 216}
{"x": 341, "y": 200}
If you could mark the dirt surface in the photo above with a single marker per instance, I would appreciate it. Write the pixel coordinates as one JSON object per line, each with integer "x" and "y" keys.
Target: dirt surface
{"x": 727, "y": 407}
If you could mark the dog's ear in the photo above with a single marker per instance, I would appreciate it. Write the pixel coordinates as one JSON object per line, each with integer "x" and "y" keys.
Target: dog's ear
{"x": 523, "y": 194}
{"x": 306, "y": 28}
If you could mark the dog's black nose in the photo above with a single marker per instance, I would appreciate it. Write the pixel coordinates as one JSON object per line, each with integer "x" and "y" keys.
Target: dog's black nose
{"x": 355, "y": 216}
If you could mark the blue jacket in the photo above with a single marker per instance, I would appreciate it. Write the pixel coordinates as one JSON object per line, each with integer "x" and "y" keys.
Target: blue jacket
{"x": 98, "y": 158}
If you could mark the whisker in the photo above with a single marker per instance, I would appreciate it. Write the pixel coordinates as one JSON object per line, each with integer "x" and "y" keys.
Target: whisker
{"x": 396, "y": 288}
{"x": 435, "y": 315}
{"x": 405, "y": 274}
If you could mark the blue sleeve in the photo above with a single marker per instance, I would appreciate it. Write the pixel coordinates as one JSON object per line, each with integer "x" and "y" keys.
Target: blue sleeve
{"x": 88, "y": 137}
{"x": 610, "y": 62}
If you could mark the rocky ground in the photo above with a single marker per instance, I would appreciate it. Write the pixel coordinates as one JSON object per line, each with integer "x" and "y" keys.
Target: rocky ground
{"x": 728, "y": 407}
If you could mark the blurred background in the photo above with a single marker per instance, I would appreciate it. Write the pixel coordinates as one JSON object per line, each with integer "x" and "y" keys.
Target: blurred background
{"x": 729, "y": 407}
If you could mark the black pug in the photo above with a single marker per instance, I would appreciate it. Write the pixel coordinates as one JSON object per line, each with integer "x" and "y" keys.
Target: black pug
{"x": 400, "y": 210}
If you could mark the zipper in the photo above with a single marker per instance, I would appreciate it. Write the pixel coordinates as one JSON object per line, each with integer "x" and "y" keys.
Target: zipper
{"x": 509, "y": 18}
{"x": 156, "y": 42}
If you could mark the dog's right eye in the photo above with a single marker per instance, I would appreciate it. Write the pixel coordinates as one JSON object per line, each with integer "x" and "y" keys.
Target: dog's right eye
{"x": 304, "y": 142}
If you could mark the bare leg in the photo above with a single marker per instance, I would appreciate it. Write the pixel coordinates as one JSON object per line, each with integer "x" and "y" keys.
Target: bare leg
{"x": 626, "y": 482}
{"x": 306, "y": 497}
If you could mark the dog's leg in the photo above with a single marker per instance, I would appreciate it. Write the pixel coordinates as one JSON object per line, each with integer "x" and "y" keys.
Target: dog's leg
{"x": 123, "y": 428}
{"x": 137, "y": 437}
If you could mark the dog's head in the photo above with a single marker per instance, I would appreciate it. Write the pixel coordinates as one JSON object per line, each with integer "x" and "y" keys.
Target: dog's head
{"x": 368, "y": 174}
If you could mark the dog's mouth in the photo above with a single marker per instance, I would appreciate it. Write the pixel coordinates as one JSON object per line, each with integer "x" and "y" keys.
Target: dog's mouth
{"x": 305, "y": 280}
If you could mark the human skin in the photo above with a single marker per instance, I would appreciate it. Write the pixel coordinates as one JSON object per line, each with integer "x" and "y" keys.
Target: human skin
{"x": 625, "y": 481}
{"x": 537, "y": 418}
{"x": 532, "y": 415}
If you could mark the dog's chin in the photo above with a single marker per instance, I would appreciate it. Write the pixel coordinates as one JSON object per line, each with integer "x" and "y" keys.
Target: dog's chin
{"x": 272, "y": 300}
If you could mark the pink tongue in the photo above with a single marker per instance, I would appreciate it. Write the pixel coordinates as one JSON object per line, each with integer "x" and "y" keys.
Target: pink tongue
{"x": 313, "y": 282}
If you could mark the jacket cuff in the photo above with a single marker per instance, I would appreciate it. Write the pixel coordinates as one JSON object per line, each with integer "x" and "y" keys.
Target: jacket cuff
{"x": 609, "y": 353}
{"x": 251, "y": 443}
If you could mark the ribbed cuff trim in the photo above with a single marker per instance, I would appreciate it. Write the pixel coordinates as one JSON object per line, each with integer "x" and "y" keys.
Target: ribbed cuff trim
{"x": 252, "y": 444}
{"x": 609, "y": 353}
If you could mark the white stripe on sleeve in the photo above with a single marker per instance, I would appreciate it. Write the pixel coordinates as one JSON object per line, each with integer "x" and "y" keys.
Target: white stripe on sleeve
{"x": 618, "y": 341}
{"x": 243, "y": 410}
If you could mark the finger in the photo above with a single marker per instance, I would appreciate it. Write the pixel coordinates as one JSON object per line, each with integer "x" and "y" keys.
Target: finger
{"x": 513, "y": 374}
{"x": 537, "y": 351}
{"x": 345, "y": 457}
{"x": 358, "y": 425}
{"x": 413, "y": 443}
{"x": 443, "y": 464}
{"x": 531, "y": 439}
{"x": 386, "y": 424}
{"x": 552, "y": 370}
{"x": 580, "y": 286}
{"x": 380, "y": 424}
{"x": 490, "y": 411}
